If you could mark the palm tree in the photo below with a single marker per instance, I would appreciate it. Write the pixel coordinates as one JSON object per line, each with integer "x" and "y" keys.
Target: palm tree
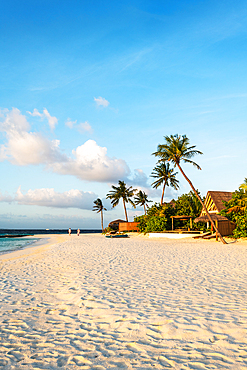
{"x": 142, "y": 199}
{"x": 175, "y": 150}
{"x": 165, "y": 176}
{"x": 99, "y": 208}
{"x": 244, "y": 185}
{"x": 119, "y": 192}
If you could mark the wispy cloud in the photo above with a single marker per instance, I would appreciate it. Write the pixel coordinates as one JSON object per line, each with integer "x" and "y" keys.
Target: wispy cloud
{"x": 81, "y": 127}
{"x": 50, "y": 198}
{"x": 52, "y": 121}
{"x": 101, "y": 102}
{"x": 70, "y": 123}
{"x": 84, "y": 126}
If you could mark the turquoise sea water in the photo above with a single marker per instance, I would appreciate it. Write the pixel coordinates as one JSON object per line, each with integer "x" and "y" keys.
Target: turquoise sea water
{"x": 12, "y": 244}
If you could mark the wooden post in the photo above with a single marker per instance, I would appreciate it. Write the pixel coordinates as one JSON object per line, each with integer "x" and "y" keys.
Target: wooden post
{"x": 172, "y": 223}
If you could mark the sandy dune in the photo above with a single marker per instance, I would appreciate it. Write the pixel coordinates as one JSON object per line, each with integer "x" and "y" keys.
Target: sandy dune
{"x": 94, "y": 303}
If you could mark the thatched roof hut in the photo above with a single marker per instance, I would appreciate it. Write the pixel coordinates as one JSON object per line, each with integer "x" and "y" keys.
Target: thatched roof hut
{"x": 214, "y": 201}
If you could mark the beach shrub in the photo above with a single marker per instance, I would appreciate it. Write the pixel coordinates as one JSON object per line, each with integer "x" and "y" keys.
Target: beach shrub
{"x": 107, "y": 230}
{"x": 156, "y": 223}
{"x": 236, "y": 211}
{"x": 142, "y": 223}
{"x": 157, "y": 218}
{"x": 188, "y": 205}
{"x": 241, "y": 226}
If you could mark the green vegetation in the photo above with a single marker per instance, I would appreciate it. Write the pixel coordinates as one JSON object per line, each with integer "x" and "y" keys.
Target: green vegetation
{"x": 158, "y": 217}
{"x": 236, "y": 211}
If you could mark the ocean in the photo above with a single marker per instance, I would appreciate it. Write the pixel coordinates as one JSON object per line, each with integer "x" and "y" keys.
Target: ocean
{"x": 12, "y": 239}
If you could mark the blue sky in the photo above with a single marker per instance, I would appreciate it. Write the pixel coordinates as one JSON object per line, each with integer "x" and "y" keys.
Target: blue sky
{"x": 89, "y": 89}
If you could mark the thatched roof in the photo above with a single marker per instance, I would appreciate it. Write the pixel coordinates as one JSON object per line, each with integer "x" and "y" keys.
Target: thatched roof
{"x": 213, "y": 216}
{"x": 219, "y": 197}
{"x": 116, "y": 222}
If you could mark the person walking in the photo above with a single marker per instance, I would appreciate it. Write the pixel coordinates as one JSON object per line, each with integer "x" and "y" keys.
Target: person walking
{"x": 78, "y": 232}
{"x": 69, "y": 231}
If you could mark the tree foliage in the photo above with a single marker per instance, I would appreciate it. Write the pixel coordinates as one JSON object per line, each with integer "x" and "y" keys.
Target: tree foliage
{"x": 121, "y": 192}
{"x": 141, "y": 199}
{"x": 165, "y": 176}
{"x": 236, "y": 211}
{"x": 99, "y": 208}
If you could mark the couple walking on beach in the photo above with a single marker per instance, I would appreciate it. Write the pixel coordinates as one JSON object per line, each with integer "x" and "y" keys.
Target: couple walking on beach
{"x": 78, "y": 231}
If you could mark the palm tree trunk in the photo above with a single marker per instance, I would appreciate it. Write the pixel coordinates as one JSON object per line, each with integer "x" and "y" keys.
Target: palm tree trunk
{"x": 204, "y": 207}
{"x": 144, "y": 209}
{"x": 163, "y": 192}
{"x": 125, "y": 211}
{"x": 102, "y": 221}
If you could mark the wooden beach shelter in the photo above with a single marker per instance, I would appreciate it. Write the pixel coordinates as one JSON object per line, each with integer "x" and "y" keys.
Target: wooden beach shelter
{"x": 115, "y": 224}
{"x": 214, "y": 204}
{"x": 182, "y": 218}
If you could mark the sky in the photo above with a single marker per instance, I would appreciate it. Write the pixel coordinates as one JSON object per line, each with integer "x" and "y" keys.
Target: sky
{"x": 88, "y": 89}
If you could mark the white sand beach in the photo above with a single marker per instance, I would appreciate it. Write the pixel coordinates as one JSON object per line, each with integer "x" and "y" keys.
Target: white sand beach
{"x": 90, "y": 302}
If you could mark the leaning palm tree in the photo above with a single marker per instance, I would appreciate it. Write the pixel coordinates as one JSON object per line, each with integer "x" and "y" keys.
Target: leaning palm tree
{"x": 123, "y": 192}
{"x": 165, "y": 176}
{"x": 99, "y": 208}
{"x": 141, "y": 199}
{"x": 175, "y": 150}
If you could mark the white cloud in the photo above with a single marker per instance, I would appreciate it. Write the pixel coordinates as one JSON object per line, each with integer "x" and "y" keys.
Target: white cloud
{"x": 50, "y": 198}
{"x": 23, "y": 147}
{"x": 101, "y": 102}
{"x": 92, "y": 163}
{"x": 81, "y": 127}
{"x": 52, "y": 121}
{"x": 88, "y": 162}
{"x": 70, "y": 123}
{"x": 84, "y": 126}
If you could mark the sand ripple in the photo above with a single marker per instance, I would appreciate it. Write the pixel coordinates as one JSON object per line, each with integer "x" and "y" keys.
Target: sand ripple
{"x": 97, "y": 303}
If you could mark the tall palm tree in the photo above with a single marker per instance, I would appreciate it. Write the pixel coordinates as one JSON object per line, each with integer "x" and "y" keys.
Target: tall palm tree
{"x": 165, "y": 176}
{"x": 99, "y": 208}
{"x": 123, "y": 192}
{"x": 175, "y": 150}
{"x": 141, "y": 199}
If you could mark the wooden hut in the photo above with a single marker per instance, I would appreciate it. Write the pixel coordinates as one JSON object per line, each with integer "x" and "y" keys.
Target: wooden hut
{"x": 115, "y": 224}
{"x": 222, "y": 223}
{"x": 128, "y": 226}
{"x": 214, "y": 204}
